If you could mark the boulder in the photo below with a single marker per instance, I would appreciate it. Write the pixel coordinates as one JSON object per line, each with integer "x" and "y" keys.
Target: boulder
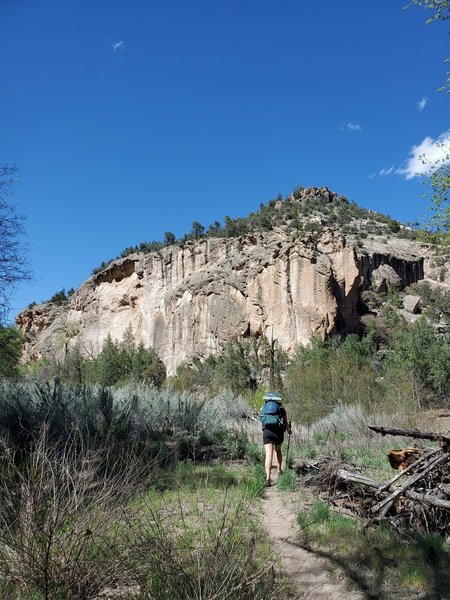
{"x": 384, "y": 278}
{"x": 411, "y": 304}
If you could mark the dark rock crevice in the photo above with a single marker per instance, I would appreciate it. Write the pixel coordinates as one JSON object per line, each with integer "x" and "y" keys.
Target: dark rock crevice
{"x": 409, "y": 271}
{"x": 116, "y": 271}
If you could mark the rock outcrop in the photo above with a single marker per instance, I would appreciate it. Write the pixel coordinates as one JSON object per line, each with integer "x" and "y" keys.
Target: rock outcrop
{"x": 411, "y": 304}
{"x": 189, "y": 300}
{"x": 385, "y": 277}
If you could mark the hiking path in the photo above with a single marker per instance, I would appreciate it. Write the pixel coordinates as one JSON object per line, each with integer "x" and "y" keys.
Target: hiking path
{"x": 311, "y": 574}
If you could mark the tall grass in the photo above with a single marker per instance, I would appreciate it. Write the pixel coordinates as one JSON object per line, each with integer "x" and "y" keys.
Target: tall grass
{"x": 344, "y": 436}
{"x": 59, "y": 521}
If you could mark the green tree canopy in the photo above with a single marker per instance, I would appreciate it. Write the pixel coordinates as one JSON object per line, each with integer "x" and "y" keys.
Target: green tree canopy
{"x": 10, "y": 351}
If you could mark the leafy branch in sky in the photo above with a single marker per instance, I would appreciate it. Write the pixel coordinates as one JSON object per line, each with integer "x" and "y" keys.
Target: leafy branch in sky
{"x": 441, "y": 9}
{"x": 439, "y": 169}
{"x": 439, "y": 182}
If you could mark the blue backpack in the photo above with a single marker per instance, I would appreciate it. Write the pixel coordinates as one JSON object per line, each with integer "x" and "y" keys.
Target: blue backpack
{"x": 272, "y": 413}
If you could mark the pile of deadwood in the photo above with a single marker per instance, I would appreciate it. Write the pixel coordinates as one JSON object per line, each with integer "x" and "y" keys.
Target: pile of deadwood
{"x": 417, "y": 497}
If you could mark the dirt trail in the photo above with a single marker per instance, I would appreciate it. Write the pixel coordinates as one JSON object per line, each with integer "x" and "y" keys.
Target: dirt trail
{"x": 311, "y": 574}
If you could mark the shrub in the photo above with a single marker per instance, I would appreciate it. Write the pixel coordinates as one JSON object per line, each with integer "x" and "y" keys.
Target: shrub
{"x": 394, "y": 226}
{"x": 59, "y": 298}
{"x": 420, "y": 351}
{"x": 10, "y": 351}
{"x": 71, "y": 529}
{"x": 321, "y": 376}
{"x": 59, "y": 523}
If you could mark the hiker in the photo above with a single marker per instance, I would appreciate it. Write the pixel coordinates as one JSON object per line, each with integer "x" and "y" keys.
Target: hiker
{"x": 274, "y": 423}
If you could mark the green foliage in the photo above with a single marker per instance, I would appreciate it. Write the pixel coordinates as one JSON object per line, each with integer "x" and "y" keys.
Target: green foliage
{"x": 198, "y": 229}
{"x": 136, "y": 415}
{"x": 73, "y": 529}
{"x": 243, "y": 365}
{"x": 440, "y": 7}
{"x": 256, "y": 399}
{"x": 394, "y": 226}
{"x": 256, "y": 486}
{"x": 117, "y": 363}
{"x": 185, "y": 379}
{"x": 10, "y": 351}
{"x": 233, "y": 371}
{"x": 120, "y": 362}
{"x": 439, "y": 177}
{"x": 71, "y": 371}
{"x": 393, "y": 364}
{"x": 169, "y": 238}
{"x": 323, "y": 375}
{"x": 419, "y": 351}
{"x": 110, "y": 366}
{"x": 234, "y": 441}
{"x": 393, "y": 296}
{"x": 60, "y": 297}
{"x": 434, "y": 302}
{"x": 439, "y": 185}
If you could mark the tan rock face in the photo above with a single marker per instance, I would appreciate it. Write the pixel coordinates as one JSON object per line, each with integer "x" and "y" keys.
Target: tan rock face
{"x": 190, "y": 300}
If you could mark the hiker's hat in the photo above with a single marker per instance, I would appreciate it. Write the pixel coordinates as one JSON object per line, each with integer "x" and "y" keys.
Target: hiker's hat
{"x": 273, "y": 396}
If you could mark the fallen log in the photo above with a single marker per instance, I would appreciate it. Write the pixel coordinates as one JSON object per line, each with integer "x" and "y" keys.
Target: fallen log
{"x": 357, "y": 478}
{"x": 414, "y": 433}
{"x": 428, "y": 499}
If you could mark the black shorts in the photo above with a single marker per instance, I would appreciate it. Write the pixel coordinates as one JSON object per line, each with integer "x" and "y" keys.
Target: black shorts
{"x": 273, "y": 435}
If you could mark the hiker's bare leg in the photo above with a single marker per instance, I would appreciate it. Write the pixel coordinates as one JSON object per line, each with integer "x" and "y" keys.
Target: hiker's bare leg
{"x": 279, "y": 458}
{"x": 269, "y": 455}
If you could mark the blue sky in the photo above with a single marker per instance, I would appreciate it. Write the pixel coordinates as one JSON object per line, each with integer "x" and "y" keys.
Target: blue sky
{"x": 129, "y": 119}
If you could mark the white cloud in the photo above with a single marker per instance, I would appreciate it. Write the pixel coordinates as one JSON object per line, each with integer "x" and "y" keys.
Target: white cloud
{"x": 372, "y": 175}
{"x": 422, "y": 103}
{"x": 352, "y": 127}
{"x": 384, "y": 171}
{"x": 119, "y": 46}
{"x": 428, "y": 155}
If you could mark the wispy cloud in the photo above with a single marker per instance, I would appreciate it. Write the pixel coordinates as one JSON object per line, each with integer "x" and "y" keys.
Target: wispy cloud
{"x": 422, "y": 103}
{"x": 352, "y": 128}
{"x": 118, "y": 46}
{"x": 427, "y": 156}
{"x": 384, "y": 171}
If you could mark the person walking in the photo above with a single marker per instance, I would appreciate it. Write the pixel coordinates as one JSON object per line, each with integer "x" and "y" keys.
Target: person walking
{"x": 274, "y": 423}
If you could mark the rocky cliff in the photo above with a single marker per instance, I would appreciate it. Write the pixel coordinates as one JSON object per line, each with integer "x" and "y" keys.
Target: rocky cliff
{"x": 189, "y": 300}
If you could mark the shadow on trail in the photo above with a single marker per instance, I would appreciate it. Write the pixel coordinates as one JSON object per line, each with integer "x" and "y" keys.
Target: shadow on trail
{"x": 368, "y": 572}
{"x": 361, "y": 584}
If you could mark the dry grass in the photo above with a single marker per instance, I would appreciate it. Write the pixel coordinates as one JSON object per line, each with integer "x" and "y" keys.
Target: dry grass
{"x": 71, "y": 528}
